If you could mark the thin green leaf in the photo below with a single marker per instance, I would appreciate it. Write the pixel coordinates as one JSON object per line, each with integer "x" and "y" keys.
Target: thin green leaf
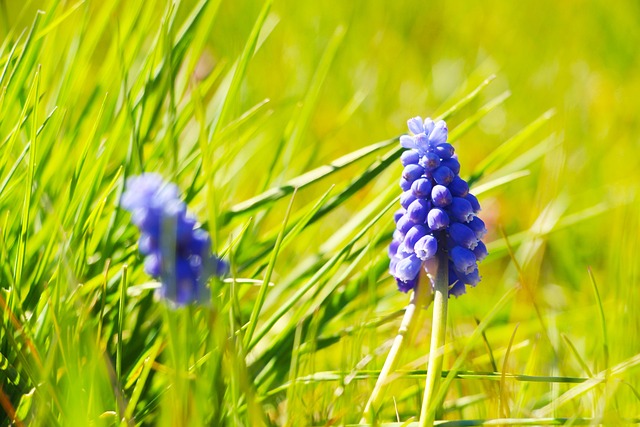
{"x": 253, "y": 320}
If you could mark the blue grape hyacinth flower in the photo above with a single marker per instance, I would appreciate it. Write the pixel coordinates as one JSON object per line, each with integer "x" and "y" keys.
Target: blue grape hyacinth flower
{"x": 438, "y": 213}
{"x": 176, "y": 250}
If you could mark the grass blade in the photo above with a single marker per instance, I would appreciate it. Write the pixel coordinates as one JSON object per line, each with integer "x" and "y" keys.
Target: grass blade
{"x": 253, "y": 320}
{"x": 304, "y": 180}
{"x": 603, "y": 323}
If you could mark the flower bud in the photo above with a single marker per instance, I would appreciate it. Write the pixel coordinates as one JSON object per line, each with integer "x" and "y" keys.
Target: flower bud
{"x": 452, "y": 163}
{"x": 410, "y": 157}
{"x": 404, "y": 184}
{"x": 480, "y": 251}
{"x": 398, "y": 214}
{"x": 464, "y": 261}
{"x": 478, "y": 227}
{"x": 437, "y": 219}
{"x": 426, "y": 247}
{"x": 444, "y": 150}
{"x": 421, "y": 188}
{"x": 416, "y": 233}
{"x": 459, "y": 187}
{"x": 406, "y": 286}
{"x": 407, "y": 198}
{"x": 404, "y": 224}
{"x": 441, "y": 196}
{"x": 418, "y": 210}
{"x": 442, "y": 175}
{"x": 439, "y": 133}
{"x": 407, "y": 141}
{"x": 461, "y": 209}
{"x": 475, "y": 205}
{"x": 415, "y": 125}
{"x": 429, "y": 161}
{"x": 408, "y": 268}
{"x": 412, "y": 172}
{"x": 462, "y": 235}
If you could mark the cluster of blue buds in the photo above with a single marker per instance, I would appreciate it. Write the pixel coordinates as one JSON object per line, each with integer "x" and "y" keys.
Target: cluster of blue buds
{"x": 176, "y": 251}
{"x": 438, "y": 213}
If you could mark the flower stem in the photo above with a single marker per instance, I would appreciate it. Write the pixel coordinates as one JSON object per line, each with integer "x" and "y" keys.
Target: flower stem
{"x": 409, "y": 321}
{"x": 438, "y": 332}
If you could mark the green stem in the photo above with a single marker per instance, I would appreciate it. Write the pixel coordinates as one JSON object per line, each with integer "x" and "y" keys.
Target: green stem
{"x": 410, "y": 319}
{"x": 122, "y": 305}
{"x": 438, "y": 332}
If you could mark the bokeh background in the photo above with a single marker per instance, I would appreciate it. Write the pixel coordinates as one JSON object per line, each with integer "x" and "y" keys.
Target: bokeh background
{"x": 341, "y": 75}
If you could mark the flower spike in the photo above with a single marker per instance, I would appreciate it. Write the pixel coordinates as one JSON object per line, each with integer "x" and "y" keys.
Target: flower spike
{"x": 176, "y": 250}
{"x": 438, "y": 213}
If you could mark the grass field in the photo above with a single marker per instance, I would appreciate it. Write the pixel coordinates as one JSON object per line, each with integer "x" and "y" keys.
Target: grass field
{"x": 279, "y": 121}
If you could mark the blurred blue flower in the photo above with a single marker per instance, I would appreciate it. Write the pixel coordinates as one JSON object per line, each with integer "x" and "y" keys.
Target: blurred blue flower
{"x": 438, "y": 213}
{"x": 176, "y": 251}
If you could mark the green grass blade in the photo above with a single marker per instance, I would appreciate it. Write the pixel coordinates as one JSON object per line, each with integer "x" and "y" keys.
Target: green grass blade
{"x": 467, "y": 99}
{"x": 25, "y": 224}
{"x": 25, "y": 49}
{"x": 141, "y": 378}
{"x": 506, "y": 150}
{"x": 300, "y": 224}
{"x": 119, "y": 352}
{"x": 603, "y": 322}
{"x": 477, "y": 334}
{"x": 284, "y": 308}
{"x": 591, "y": 383}
{"x": 253, "y": 320}
{"x": 497, "y": 182}
{"x": 10, "y": 55}
{"x": 576, "y": 354}
{"x": 240, "y": 70}
{"x": 304, "y": 180}
{"x": 299, "y": 123}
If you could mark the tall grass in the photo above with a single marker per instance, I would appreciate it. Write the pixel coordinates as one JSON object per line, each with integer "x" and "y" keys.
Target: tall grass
{"x": 279, "y": 120}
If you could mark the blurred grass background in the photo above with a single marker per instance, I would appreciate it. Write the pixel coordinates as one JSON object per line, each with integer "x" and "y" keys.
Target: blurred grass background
{"x": 338, "y": 76}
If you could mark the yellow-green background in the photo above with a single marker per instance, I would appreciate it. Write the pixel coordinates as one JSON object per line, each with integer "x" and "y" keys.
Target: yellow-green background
{"x": 577, "y": 208}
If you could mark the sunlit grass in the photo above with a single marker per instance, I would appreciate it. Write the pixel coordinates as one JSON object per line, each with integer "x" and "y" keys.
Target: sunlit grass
{"x": 279, "y": 123}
